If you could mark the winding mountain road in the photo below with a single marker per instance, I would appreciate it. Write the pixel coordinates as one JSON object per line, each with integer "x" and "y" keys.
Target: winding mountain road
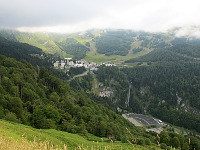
{"x": 80, "y": 75}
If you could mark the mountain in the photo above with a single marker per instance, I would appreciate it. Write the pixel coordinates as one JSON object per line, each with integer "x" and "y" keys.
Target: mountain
{"x": 98, "y": 46}
{"x": 35, "y": 97}
{"x": 180, "y": 49}
{"x": 22, "y": 51}
{"x": 163, "y": 82}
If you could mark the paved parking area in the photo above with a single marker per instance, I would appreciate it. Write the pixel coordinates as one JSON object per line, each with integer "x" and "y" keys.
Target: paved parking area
{"x": 144, "y": 119}
{"x": 132, "y": 120}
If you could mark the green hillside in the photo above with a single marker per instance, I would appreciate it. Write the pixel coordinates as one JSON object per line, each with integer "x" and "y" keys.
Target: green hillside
{"x": 164, "y": 83}
{"x": 160, "y": 55}
{"x": 35, "y": 97}
{"x": 168, "y": 90}
{"x": 73, "y": 47}
{"x": 180, "y": 49}
{"x": 15, "y": 136}
{"x": 45, "y": 41}
{"x": 115, "y": 46}
{"x": 24, "y": 51}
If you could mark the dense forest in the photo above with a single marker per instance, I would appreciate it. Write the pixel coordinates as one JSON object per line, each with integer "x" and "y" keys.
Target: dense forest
{"x": 154, "y": 101}
{"x": 75, "y": 71}
{"x": 26, "y": 52}
{"x": 167, "y": 90}
{"x": 160, "y": 55}
{"x": 35, "y": 97}
{"x": 168, "y": 86}
{"x": 114, "y": 43}
{"x": 153, "y": 41}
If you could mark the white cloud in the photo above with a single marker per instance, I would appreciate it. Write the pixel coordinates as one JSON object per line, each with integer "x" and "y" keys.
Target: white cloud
{"x": 79, "y": 15}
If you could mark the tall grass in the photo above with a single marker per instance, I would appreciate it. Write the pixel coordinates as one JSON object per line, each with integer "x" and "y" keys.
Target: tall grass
{"x": 14, "y": 136}
{"x": 9, "y": 143}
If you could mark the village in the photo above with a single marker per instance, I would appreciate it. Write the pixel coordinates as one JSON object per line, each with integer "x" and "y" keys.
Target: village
{"x": 67, "y": 63}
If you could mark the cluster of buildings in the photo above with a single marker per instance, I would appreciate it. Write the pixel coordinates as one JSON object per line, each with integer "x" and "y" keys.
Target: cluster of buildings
{"x": 69, "y": 62}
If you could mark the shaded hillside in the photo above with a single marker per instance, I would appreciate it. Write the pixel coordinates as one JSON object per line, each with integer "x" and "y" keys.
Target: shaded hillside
{"x": 23, "y": 51}
{"x": 159, "y": 55}
{"x": 187, "y": 50}
{"x": 166, "y": 90}
{"x": 170, "y": 86}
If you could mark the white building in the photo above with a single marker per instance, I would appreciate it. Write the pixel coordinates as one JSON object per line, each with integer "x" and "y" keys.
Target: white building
{"x": 56, "y": 64}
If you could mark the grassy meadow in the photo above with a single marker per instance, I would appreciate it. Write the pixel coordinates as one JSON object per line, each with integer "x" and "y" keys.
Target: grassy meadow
{"x": 15, "y": 136}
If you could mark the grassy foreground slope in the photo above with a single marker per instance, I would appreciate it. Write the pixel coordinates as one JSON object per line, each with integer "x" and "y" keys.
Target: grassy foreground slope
{"x": 17, "y": 136}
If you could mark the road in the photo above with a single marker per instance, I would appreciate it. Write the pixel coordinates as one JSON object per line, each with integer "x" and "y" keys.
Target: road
{"x": 80, "y": 75}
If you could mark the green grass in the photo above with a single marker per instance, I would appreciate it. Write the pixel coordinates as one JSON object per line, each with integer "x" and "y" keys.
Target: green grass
{"x": 92, "y": 56}
{"x": 43, "y": 41}
{"x": 81, "y": 39}
{"x": 20, "y": 134}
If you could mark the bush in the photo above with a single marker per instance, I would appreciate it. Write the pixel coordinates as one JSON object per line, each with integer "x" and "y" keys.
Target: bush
{"x": 163, "y": 146}
{"x": 12, "y": 117}
{"x": 140, "y": 141}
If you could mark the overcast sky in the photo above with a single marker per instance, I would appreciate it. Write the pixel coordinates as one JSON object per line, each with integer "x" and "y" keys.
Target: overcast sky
{"x": 80, "y": 15}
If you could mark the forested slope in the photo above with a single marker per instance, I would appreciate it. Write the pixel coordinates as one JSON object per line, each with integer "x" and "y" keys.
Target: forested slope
{"x": 114, "y": 43}
{"x": 169, "y": 91}
{"x": 166, "y": 90}
{"x": 180, "y": 49}
{"x": 36, "y": 97}
{"x": 24, "y": 51}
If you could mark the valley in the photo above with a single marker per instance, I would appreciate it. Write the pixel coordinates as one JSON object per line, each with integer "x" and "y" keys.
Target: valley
{"x": 83, "y": 83}
{"x": 99, "y": 75}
